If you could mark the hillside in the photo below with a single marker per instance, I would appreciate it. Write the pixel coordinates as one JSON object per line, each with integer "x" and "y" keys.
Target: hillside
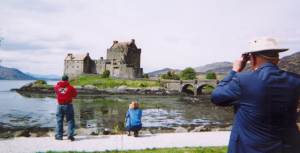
{"x": 162, "y": 71}
{"x": 13, "y": 74}
{"x": 44, "y": 77}
{"x": 291, "y": 63}
{"x": 219, "y": 67}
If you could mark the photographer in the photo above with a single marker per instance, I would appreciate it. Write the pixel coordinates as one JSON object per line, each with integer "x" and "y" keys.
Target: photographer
{"x": 265, "y": 100}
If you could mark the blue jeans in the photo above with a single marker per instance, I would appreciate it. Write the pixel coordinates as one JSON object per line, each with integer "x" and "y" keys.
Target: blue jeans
{"x": 68, "y": 111}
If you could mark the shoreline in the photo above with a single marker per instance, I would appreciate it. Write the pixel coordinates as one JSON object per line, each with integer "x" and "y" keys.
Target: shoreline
{"x": 93, "y": 91}
{"x": 32, "y": 132}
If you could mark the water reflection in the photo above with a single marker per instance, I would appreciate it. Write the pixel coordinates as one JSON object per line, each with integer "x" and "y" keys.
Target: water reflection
{"x": 158, "y": 112}
{"x": 36, "y": 112}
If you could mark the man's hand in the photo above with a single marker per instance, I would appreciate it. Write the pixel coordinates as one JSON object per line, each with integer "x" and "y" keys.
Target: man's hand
{"x": 240, "y": 64}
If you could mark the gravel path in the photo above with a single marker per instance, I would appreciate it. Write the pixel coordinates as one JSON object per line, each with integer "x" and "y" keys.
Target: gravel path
{"x": 114, "y": 142}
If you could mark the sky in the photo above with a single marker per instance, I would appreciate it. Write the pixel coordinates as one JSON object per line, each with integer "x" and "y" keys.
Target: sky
{"x": 37, "y": 34}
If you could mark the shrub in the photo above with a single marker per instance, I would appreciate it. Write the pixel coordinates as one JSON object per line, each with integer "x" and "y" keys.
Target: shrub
{"x": 211, "y": 75}
{"x": 170, "y": 75}
{"x": 208, "y": 89}
{"x": 105, "y": 74}
{"x": 146, "y": 76}
{"x": 188, "y": 74}
{"x": 40, "y": 82}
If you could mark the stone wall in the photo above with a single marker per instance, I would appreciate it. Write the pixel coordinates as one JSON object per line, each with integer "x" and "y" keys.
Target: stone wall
{"x": 133, "y": 57}
{"x": 116, "y": 54}
{"x": 73, "y": 68}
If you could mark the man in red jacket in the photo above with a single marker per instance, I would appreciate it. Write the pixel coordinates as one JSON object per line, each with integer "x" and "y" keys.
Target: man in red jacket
{"x": 65, "y": 93}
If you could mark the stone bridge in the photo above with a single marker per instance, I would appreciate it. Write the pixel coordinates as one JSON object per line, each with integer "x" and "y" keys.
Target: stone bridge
{"x": 191, "y": 87}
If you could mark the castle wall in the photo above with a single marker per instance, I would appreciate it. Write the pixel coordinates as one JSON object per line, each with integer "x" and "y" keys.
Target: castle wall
{"x": 133, "y": 57}
{"x": 116, "y": 54}
{"x": 73, "y": 68}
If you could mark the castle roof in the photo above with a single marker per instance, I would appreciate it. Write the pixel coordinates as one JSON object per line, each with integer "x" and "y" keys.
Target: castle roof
{"x": 76, "y": 57}
{"x": 124, "y": 45}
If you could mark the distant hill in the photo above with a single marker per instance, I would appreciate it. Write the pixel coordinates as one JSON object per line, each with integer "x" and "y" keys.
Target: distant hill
{"x": 45, "y": 77}
{"x": 13, "y": 74}
{"x": 291, "y": 63}
{"x": 162, "y": 71}
{"x": 219, "y": 67}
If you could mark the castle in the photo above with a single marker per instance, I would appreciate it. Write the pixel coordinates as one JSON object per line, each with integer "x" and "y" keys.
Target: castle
{"x": 123, "y": 61}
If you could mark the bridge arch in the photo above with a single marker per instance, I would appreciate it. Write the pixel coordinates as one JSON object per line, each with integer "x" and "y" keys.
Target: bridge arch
{"x": 187, "y": 89}
{"x": 204, "y": 89}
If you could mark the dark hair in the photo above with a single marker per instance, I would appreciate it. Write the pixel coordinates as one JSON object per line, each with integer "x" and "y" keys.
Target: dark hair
{"x": 269, "y": 54}
{"x": 65, "y": 78}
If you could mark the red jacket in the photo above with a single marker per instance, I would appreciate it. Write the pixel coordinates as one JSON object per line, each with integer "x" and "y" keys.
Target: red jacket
{"x": 64, "y": 92}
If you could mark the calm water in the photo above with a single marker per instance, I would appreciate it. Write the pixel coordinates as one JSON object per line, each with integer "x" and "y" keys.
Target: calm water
{"x": 21, "y": 112}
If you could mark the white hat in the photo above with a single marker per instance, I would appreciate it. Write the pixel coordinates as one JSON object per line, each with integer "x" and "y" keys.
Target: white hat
{"x": 265, "y": 44}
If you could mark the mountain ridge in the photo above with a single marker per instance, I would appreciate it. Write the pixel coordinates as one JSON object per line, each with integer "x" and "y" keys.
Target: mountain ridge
{"x": 13, "y": 74}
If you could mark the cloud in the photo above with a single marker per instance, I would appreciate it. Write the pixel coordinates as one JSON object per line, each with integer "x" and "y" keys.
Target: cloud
{"x": 171, "y": 33}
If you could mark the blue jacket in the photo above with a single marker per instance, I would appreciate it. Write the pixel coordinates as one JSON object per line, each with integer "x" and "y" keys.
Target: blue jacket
{"x": 265, "y": 102}
{"x": 133, "y": 119}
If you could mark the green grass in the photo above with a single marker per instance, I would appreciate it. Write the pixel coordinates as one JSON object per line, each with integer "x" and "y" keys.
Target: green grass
{"x": 167, "y": 150}
{"x": 208, "y": 89}
{"x": 41, "y": 84}
{"x": 111, "y": 82}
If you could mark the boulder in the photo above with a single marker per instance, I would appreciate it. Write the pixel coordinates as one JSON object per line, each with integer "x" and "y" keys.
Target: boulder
{"x": 201, "y": 129}
{"x": 22, "y": 133}
{"x": 106, "y": 131}
{"x": 180, "y": 130}
{"x": 122, "y": 87}
{"x": 92, "y": 87}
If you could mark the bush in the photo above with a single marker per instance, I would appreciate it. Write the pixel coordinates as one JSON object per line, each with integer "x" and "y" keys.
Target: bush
{"x": 40, "y": 82}
{"x": 170, "y": 75}
{"x": 188, "y": 74}
{"x": 208, "y": 89}
{"x": 211, "y": 75}
{"x": 105, "y": 74}
{"x": 146, "y": 76}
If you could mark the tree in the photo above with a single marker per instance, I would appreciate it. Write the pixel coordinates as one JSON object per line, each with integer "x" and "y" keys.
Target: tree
{"x": 170, "y": 75}
{"x": 188, "y": 74}
{"x": 105, "y": 74}
{"x": 146, "y": 76}
{"x": 211, "y": 75}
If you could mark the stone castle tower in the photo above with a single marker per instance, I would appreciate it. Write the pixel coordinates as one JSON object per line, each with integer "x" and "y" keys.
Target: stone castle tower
{"x": 123, "y": 61}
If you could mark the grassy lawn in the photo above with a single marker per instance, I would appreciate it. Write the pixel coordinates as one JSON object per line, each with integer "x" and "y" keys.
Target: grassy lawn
{"x": 111, "y": 82}
{"x": 170, "y": 150}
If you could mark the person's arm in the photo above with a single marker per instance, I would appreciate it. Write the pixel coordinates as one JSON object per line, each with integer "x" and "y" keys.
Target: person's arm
{"x": 227, "y": 91}
{"x": 140, "y": 114}
{"x": 127, "y": 116}
{"x": 55, "y": 89}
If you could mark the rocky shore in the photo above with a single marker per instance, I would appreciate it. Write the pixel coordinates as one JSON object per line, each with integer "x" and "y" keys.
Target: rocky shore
{"x": 90, "y": 90}
{"x": 49, "y": 132}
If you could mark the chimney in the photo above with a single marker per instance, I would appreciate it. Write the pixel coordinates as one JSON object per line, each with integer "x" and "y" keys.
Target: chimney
{"x": 70, "y": 54}
{"x": 132, "y": 41}
{"x": 115, "y": 41}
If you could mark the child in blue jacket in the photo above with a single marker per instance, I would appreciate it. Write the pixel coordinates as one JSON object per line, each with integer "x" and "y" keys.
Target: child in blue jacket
{"x": 133, "y": 119}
